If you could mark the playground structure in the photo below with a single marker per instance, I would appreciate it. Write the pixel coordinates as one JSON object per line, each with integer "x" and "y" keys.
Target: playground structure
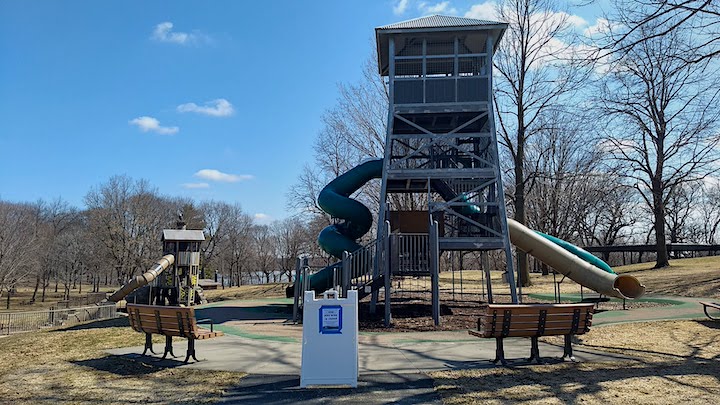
{"x": 440, "y": 145}
{"x": 180, "y": 264}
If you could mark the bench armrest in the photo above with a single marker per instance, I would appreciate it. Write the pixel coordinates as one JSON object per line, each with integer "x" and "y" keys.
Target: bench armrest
{"x": 206, "y": 320}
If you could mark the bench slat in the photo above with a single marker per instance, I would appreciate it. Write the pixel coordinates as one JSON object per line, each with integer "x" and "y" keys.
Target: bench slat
{"x": 533, "y": 317}
{"x": 711, "y": 304}
{"x": 534, "y": 332}
{"x": 535, "y": 309}
{"x": 526, "y": 324}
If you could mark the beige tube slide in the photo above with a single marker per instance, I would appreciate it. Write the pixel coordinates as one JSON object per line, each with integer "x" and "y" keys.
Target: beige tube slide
{"x": 139, "y": 281}
{"x": 578, "y": 270}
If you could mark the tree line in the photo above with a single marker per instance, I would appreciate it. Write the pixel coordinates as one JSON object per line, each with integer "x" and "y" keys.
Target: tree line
{"x": 52, "y": 245}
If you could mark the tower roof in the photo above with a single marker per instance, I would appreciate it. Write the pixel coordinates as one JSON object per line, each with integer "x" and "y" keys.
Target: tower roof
{"x": 438, "y": 21}
{"x": 433, "y": 24}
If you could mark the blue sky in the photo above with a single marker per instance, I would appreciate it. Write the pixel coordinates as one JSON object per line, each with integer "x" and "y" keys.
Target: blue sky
{"x": 209, "y": 100}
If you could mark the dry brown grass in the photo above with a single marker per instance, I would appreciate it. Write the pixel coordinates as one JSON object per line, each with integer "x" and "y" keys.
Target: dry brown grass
{"x": 21, "y": 299}
{"x": 696, "y": 277}
{"x": 70, "y": 366}
{"x": 244, "y": 292}
{"x": 677, "y": 361}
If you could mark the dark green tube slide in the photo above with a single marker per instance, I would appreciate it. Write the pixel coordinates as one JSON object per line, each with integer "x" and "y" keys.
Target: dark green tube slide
{"x": 357, "y": 219}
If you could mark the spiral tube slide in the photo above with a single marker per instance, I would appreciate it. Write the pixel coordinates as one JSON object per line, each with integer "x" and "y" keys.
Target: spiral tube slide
{"x": 357, "y": 219}
{"x": 572, "y": 266}
{"x": 139, "y": 281}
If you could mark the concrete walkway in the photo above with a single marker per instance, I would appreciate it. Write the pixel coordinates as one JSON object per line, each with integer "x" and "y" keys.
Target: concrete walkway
{"x": 376, "y": 355}
{"x": 393, "y": 366}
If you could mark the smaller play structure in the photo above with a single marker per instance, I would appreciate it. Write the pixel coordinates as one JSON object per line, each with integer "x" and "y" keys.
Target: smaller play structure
{"x": 172, "y": 280}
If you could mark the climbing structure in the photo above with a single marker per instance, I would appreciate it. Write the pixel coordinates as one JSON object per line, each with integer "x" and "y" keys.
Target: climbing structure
{"x": 441, "y": 141}
{"x": 440, "y": 146}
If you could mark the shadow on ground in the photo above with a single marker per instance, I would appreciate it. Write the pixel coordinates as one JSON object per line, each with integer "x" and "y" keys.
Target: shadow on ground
{"x": 372, "y": 389}
{"x": 128, "y": 365}
{"x": 228, "y": 313}
{"x": 108, "y": 323}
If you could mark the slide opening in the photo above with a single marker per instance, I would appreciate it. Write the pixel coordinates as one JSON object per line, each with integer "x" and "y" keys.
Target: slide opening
{"x": 629, "y": 286}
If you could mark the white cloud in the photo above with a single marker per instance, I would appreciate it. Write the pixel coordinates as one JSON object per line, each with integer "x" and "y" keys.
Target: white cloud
{"x": 400, "y": 7}
{"x": 262, "y": 218}
{"x": 601, "y": 26}
{"x": 483, "y": 11}
{"x": 195, "y": 185}
{"x": 216, "y": 175}
{"x": 150, "y": 124}
{"x": 443, "y": 7}
{"x": 214, "y": 108}
{"x": 163, "y": 32}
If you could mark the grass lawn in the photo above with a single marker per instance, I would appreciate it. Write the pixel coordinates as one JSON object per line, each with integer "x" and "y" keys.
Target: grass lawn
{"x": 697, "y": 277}
{"x": 20, "y": 300}
{"x": 677, "y": 361}
{"x": 245, "y": 292}
{"x": 69, "y": 366}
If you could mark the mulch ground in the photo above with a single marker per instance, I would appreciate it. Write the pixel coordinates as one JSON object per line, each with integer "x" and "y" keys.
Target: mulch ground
{"x": 412, "y": 312}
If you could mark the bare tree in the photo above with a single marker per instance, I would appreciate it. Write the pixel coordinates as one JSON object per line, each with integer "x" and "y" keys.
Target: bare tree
{"x": 234, "y": 244}
{"x": 679, "y": 210}
{"x": 535, "y": 71}
{"x": 19, "y": 245}
{"x": 126, "y": 217}
{"x": 662, "y": 116}
{"x": 709, "y": 214}
{"x": 264, "y": 251}
{"x": 291, "y": 240}
{"x": 636, "y": 21}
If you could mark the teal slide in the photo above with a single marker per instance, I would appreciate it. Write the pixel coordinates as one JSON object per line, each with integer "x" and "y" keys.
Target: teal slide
{"x": 579, "y": 252}
{"x": 357, "y": 219}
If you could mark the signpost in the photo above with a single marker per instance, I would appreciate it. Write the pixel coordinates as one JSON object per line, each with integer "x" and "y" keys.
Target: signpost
{"x": 329, "y": 344}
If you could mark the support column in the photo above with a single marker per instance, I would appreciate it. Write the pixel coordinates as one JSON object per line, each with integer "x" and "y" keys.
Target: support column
{"x": 435, "y": 271}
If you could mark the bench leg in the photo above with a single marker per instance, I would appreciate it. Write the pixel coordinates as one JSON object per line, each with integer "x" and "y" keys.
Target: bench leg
{"x": 705, "y": 309}
{"x": 168, "y": 347}
{"x": 148, "y": 344}
{"x": 191, "y": 350}
{"x": 568, "y": 352}
{"x": 499, "y": 352}
{"x": 534, "y": 350}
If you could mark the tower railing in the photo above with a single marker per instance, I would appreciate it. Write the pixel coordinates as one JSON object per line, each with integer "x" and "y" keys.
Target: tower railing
{"x": 357, "y": 267}
{"x": 409, "y": 254}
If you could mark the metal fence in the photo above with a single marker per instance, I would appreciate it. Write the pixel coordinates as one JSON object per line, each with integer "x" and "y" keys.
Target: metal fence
{"x": 16, "y": 322}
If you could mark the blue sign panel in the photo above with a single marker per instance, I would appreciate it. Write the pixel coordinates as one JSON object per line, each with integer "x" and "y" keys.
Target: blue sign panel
{"x": 330, "y": 319}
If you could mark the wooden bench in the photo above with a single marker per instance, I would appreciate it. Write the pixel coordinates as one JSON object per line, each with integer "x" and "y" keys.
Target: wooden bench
{"x": 713, "y": 305}
{"x": 533, "y": 320}
{"x": 169, "y": 322}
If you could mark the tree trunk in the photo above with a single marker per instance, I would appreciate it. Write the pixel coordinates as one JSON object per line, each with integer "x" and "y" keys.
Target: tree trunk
{"x": 45, "y": 284}
{"x": 37, "y": 286}
{"x": 523, "y": 270}
{"x": 660, "y": 242}
{"x": 9, "y": 293}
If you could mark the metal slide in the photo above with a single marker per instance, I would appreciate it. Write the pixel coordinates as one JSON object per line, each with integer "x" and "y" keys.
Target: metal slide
{"x": 139, "y": 281}
{"x": 572, "y": 266}
{"x": 357, "y": 219}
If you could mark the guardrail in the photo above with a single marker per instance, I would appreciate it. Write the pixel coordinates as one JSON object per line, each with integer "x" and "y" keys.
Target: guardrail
{"x": 17, "y": 322}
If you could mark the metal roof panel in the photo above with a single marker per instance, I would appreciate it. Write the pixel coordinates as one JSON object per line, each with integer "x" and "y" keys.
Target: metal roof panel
{"x": 437, "y": 21}
{"x": 183, "y": 234}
